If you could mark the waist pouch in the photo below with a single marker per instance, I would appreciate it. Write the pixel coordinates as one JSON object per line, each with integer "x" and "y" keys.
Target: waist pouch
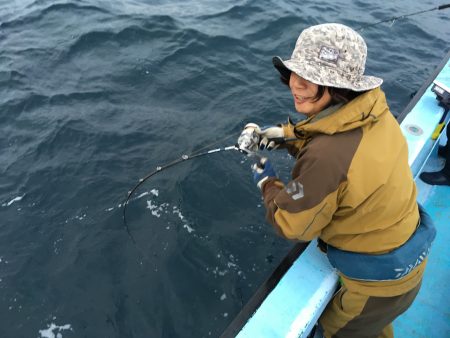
{"x": 392, "y": 265}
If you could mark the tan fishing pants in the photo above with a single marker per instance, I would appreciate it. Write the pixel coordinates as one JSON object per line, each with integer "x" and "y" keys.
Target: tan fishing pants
{"x": 352, "y": 315}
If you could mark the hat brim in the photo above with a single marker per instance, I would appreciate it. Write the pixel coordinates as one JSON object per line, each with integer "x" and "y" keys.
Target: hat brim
{"x": 364, "y": 83}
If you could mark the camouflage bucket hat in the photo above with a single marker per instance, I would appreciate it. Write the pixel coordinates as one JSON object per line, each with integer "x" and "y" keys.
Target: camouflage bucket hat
{"x": 331, "y": 55}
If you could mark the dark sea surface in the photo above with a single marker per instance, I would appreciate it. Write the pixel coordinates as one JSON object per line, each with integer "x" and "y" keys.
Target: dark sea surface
{"x": 96, "y": 94}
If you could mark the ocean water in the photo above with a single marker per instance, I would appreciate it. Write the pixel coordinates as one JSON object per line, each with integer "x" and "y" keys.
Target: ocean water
{"x": 96, "y": 94}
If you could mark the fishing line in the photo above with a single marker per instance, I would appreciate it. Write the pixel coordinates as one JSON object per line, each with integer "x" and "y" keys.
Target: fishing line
{"x": 393, "y": 19}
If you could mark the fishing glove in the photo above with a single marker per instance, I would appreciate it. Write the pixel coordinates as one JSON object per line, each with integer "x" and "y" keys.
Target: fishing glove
{"x": 271, "y": 137}
{"x": 262, "y": 170}
{"x": 254, "y": 137}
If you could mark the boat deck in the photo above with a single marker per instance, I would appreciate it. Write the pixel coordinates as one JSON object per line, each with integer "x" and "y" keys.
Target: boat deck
{"x": 429, "y": 316}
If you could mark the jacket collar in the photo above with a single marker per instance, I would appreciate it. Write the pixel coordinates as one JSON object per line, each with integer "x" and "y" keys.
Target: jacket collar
{"x": 363, "y": 110}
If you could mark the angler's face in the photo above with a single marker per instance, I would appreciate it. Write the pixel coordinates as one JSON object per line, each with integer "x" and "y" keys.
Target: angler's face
{"x": 304, "y": 92}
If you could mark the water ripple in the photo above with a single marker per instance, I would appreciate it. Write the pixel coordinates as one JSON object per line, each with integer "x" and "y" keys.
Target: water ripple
{"x": 36, "y": 15}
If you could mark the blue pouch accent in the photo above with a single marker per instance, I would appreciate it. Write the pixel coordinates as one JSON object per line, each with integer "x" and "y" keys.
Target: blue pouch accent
{"x": 392, "y": 265}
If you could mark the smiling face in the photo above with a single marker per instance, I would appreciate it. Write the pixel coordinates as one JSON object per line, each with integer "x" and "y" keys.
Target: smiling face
{"x": 304, "y": 93}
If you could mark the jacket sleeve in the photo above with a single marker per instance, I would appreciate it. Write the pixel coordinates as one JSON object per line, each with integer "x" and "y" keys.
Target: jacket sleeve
{"x": 302, "y": 208}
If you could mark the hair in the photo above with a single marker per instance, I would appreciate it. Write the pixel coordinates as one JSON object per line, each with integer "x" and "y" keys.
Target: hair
{"x": 338, "y": 95}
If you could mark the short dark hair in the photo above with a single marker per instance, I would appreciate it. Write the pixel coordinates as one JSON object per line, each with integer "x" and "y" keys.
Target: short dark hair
{"x": 338, "y": 95}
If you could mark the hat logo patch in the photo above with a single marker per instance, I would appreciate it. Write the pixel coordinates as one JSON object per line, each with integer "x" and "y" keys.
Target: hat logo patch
{"x": 329, "y": 54}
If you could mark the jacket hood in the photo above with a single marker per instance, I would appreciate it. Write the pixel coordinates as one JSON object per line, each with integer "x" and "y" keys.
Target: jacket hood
{"x": 363, "y": 110}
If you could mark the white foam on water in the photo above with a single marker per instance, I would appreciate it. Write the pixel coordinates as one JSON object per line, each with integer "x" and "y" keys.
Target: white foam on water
{"x": 227, "y": 266}
{"x": 55, "y": 245}
{"x": 48, "y": 333}
{"x": 164, "y": 208}
{"x": 81, "y": 217}
{"x": 143, "y": 194}
{"x": 188, "y": 228}
{"x": 177, "y": 212}
{"x": 223, "y": 297}
{"x": 155, "y": 192}
{"x": 222, "y": 273}
{"x": 15, "y": 199}
{"x": 154, "y": 208}
{"x": 231, "y": 265}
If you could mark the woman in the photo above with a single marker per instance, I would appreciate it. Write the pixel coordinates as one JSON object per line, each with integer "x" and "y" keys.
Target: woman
{"x": 351, "y": 184}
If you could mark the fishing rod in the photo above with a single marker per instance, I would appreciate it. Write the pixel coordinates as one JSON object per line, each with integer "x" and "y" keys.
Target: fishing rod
{"x": 393, "y": 19}
{"x": 159, "y": 169}
{"x": 247, "y": 144}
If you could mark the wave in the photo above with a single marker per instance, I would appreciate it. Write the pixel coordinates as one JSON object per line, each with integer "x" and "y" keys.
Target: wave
{"x": 12, "y": 77}
{"x": 15, "y": 106}
{"x": 234, "y": 12}
{"x": 153, "y": 28}
{"x": 40, "y": 14}
{"x": 32, "y": 101}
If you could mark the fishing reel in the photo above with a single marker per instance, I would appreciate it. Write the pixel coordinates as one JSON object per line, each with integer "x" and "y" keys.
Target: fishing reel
{"x": 248, "y": 141}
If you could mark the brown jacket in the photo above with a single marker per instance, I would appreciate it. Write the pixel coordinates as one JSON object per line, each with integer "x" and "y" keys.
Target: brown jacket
{"x": 351, "y": 186}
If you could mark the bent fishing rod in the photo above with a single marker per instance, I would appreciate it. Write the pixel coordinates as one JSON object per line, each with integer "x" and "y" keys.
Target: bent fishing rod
{"x": 243, "y": 146}
{"x": 159, "y": 169}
